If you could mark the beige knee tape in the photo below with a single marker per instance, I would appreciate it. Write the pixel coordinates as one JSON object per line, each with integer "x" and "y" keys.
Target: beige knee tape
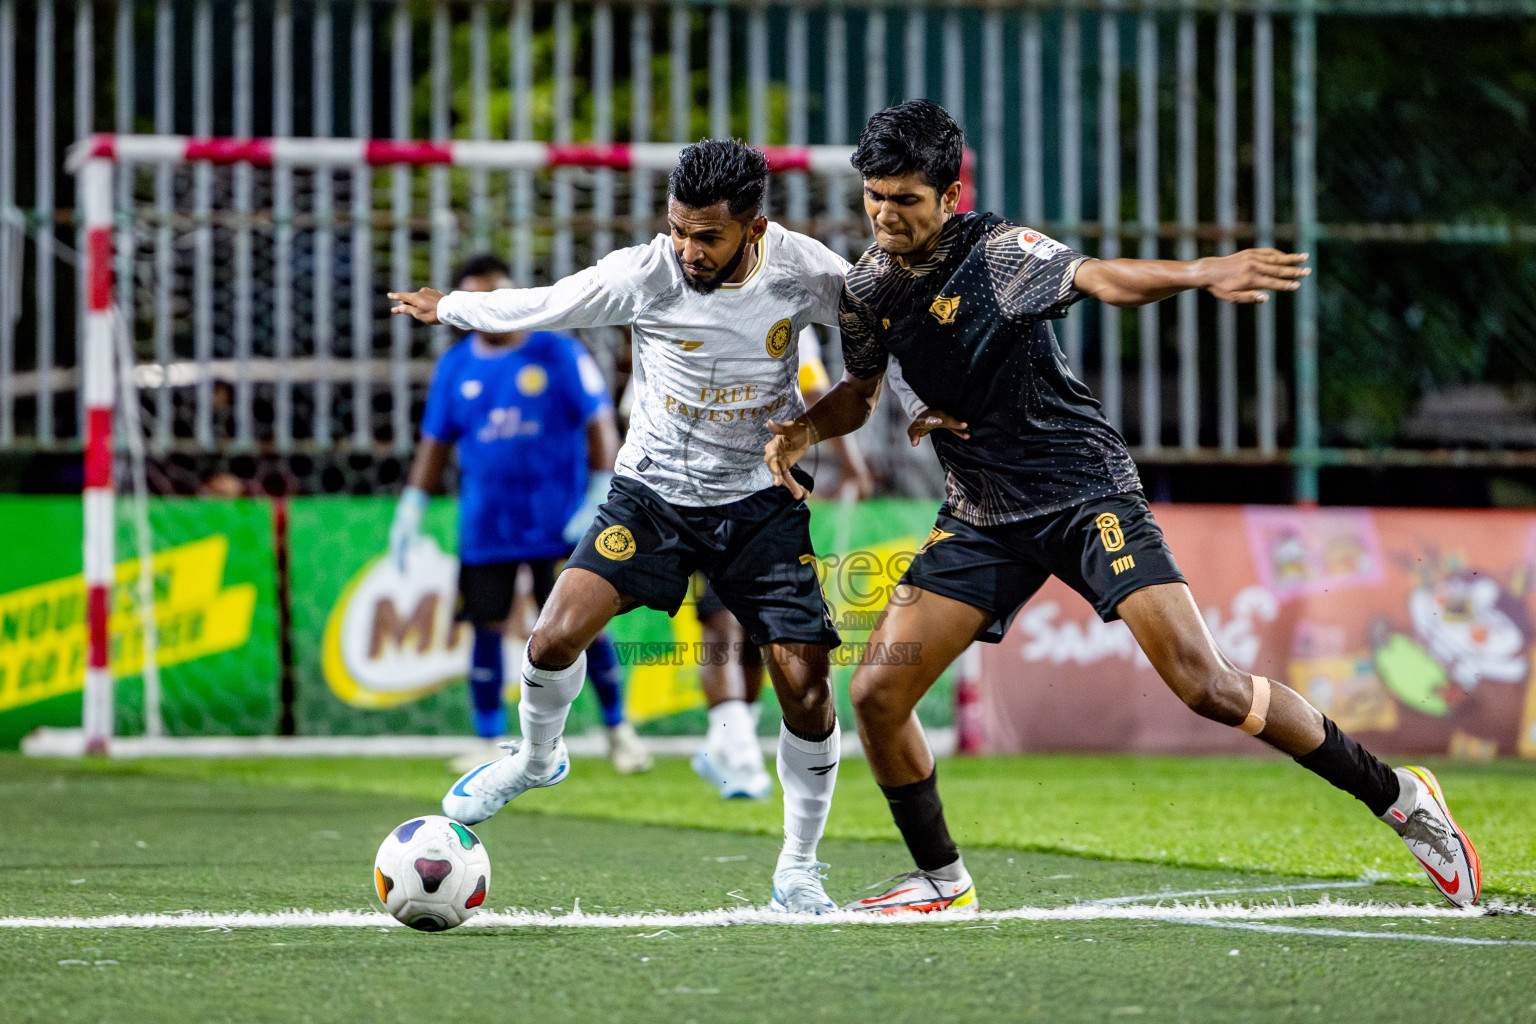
{"x": 1254, "y": 723}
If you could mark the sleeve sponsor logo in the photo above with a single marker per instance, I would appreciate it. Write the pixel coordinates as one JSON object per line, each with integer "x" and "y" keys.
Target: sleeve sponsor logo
{"x": 1038, "y": 245}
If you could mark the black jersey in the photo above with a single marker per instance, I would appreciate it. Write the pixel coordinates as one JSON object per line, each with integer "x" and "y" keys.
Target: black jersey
{"x": 971, "y": 331}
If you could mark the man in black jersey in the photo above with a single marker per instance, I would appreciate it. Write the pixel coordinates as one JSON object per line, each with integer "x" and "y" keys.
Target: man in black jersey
{"x": 1037, "y": 484}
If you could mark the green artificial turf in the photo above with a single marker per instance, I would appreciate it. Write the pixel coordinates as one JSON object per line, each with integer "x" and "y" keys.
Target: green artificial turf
{"x": 107, "y": 838}
{"x": 1262, "y": 814}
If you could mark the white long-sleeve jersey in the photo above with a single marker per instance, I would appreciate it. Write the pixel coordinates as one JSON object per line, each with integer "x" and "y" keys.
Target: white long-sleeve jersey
{"x": 710, "y": 368}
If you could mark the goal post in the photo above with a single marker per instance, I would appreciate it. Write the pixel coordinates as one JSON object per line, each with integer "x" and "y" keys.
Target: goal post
{"x": 191, "y": 260}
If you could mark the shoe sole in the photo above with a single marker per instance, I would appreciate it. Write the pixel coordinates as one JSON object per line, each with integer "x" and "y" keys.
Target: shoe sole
{"x": 1474, "y": 863}
{"x": 961, "y": 903}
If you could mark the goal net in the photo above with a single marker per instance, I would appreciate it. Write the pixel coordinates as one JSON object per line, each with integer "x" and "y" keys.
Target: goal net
{"x": 238, "y": 343}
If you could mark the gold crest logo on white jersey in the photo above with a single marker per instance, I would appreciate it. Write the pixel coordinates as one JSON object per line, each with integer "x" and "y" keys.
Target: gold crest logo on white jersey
{"x": 778, "y": 338}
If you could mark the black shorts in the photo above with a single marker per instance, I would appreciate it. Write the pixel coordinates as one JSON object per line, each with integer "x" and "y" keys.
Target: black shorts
{"x": 1105, "y": 549}
{"x": 756, "y": 553}
{"x": 486, "y": 591}
{"x": 706, "y": 602}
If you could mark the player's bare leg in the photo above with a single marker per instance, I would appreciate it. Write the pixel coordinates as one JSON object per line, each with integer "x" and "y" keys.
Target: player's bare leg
{"x": 1168, "y": 626}
{"x": 554, "y": 668}
{"x": 885, "y": 697}
{"x": 810, "y": 746}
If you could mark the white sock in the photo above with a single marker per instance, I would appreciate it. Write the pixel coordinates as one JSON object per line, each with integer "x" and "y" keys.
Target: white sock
{"x": 808, "y": 773}
{"x": 546, "y": 700}
{"x": 732, "y": 735}
{"x": 949, "y": 872}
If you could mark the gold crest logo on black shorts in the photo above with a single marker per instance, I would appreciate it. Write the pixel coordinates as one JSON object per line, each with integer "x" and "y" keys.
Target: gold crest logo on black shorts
{"x": 778, "y": 337}
{"x": 616, "y": 543}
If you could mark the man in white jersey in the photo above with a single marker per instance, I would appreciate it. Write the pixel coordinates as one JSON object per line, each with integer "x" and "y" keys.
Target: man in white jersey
{"x": 715, "y": 310}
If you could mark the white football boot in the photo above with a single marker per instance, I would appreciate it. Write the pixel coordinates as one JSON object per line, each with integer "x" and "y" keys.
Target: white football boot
{"x": 1421, "y": 819}
{"x": 485, "y": 790}
{"x": 920, "y": 893}
{"x": 748, "y": 783}
{"x": 797, "y": 889}
{"x": 626, "y": 751}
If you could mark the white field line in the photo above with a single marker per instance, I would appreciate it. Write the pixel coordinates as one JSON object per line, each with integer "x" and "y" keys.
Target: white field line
{"x": 1115, "y": 901}
{"x": 1280, "y": 929}
{"x": 1203, "y": 913}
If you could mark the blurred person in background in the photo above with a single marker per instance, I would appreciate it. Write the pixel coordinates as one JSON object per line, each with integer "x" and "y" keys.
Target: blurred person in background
{"x": 530, "y": 415}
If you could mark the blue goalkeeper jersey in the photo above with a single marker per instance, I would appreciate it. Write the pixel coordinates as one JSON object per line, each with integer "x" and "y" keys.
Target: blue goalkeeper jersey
{"x": 519, "y": 419}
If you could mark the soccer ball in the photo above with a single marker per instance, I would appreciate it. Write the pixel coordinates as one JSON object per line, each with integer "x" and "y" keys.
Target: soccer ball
{"x": 432, "y": 873}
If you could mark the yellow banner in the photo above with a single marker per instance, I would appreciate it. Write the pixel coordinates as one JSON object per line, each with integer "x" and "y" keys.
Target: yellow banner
{"x": 42, "y": 627}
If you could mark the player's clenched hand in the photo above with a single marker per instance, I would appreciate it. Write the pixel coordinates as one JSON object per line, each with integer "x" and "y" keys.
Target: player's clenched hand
{"x": 790, "y": 441}
{"x": 1249, "y": 276}
{"x": 929, "y": 420}
{"x": 420, "y": 304}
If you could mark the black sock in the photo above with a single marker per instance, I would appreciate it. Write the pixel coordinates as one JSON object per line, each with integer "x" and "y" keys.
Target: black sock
{"x": 919, "y": 814}
{"x": 1352, "y": 768}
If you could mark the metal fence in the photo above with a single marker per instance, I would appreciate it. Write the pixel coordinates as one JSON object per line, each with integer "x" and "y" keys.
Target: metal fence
{"x": 1172, "y": 128}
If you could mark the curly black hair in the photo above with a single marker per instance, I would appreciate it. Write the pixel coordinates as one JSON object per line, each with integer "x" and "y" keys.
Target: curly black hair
{"x": 720, "y": 170}
{"x": 918, "y": 135}
{"x": 482, "y": 264}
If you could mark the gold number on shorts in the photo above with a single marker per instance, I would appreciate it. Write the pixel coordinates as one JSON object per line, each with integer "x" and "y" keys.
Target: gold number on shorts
{"x": 1109, "y": 531}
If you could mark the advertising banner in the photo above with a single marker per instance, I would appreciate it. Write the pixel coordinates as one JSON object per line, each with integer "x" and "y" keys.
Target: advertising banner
{"x": 1411, "y": 628}
{"x": 377, "y": 651}
{"x": 215, "y": 610}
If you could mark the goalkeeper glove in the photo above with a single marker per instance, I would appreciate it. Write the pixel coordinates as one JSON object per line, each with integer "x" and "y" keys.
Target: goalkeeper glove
{"x": 597, "y": 491}
{"x": 406, "y": 528}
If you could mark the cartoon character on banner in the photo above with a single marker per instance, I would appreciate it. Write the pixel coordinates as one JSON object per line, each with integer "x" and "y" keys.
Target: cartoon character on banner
{"x": 1466, "y": 650}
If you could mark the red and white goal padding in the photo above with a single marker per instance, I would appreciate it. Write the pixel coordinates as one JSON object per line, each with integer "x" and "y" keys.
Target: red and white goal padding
{"x": 93, "y": 159}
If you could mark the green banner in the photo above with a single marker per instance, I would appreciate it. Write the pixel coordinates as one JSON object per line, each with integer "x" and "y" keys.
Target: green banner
{"x": 377, "y": 651}
{"x": 374, "y": 650}
{"x": 215, "y": 609}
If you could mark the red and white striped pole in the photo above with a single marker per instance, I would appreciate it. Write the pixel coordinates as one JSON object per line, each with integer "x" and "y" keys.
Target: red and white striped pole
{"x": 96, "y": 195}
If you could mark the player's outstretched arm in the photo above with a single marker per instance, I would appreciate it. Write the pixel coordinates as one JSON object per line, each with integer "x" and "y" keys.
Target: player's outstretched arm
{"x": 840, "y": 411}
{"x": 610, "y": 292}
{"x": 421, "y": 304}
{"x": 1243, "y": 277}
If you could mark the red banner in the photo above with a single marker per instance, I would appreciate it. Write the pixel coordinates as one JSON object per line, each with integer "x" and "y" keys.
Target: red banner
{"x": 1410, "y": 628}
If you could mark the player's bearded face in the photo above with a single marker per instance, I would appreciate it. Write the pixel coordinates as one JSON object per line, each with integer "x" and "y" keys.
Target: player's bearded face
{"x": 907, "y": 214}
{"x": 709, "y": 245}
